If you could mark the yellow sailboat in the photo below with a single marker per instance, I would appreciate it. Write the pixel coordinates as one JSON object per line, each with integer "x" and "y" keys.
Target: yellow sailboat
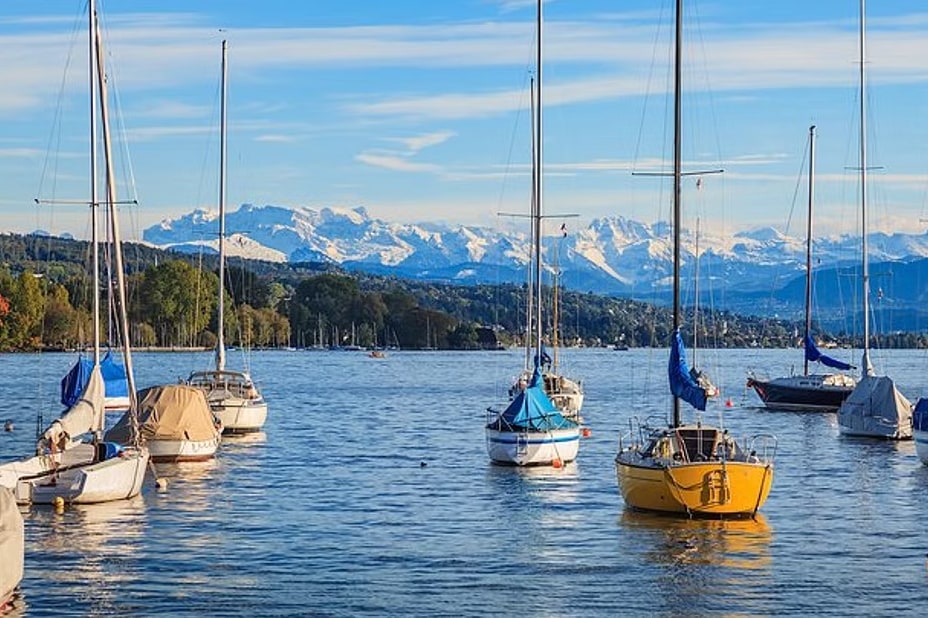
{"x": 695, "y": 469}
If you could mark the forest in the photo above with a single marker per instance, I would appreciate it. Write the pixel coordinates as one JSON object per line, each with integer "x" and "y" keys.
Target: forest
{"x": 46, "y": 303}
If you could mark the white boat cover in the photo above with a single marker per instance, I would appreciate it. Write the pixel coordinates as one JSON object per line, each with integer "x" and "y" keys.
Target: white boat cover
{"x": 12, "y": 544}
{"x": 876, "y": 408}
{"x": 168, "y": 412}
{"x": 87, "y": 414}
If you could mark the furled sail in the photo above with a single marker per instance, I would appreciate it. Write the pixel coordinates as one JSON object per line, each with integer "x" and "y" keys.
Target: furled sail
{"x": 682, "y": 384}
{"x": 87, "y": 413}
{"x": 814, "y": 355}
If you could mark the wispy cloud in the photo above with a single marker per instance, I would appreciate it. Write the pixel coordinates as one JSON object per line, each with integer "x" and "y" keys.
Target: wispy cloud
{"x": 396, "y": 163}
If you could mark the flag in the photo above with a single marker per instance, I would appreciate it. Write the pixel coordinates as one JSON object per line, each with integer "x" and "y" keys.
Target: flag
{"x": 698, "y": 183}
{"x": 564, "y": 230}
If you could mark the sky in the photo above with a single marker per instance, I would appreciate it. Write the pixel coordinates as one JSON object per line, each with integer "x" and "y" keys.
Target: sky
{"x": 419, "y": 110}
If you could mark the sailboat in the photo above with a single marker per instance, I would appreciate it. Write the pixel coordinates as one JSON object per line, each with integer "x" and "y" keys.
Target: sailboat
{"x": 822, "y": 392}
{"x": 232, "y": 395}
{"x": 531, "y": 430}
{"x": 115, "y": 382}
{"x": 697, "y": 469}
{"x": 566, "y": 393}
{"x": 65, "y": 468}
{"x": 12, "y": 547}
{"x": 875, "y": 408}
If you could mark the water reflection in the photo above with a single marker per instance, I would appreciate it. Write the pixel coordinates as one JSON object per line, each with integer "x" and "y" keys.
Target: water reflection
{"x": 87, "y": 553}
{"x": 731, "y": 543}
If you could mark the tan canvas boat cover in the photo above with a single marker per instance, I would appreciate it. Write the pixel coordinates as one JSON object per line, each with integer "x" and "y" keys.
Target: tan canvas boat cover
{"x": 168, "y": 412}
{"x": 85, "y": 415}
{"x": 11, "y": 543}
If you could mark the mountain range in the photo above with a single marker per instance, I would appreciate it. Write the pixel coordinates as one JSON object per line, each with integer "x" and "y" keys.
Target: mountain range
{"x": 611, "y": 256}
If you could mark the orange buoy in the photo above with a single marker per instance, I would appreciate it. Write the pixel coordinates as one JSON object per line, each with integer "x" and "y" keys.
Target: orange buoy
{"x": 587, "y": 432}
{"x": 556, "y": 463}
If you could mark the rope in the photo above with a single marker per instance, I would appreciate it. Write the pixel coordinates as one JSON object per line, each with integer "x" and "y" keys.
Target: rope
{"x": 760, "y": 491}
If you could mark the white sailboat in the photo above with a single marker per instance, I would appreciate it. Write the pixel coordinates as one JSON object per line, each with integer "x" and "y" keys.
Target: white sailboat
{"x": 531, "y": 430}
{"x": 875, "y": 408}
{"x": 64, "y": 468}
{"x": 818, "y": 392}
{"x": 566, "y": 393}
{"x": 232, "y": 395}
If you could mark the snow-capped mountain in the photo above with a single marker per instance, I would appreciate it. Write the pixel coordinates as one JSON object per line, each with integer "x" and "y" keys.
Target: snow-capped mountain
{"x": 613, "y": 255}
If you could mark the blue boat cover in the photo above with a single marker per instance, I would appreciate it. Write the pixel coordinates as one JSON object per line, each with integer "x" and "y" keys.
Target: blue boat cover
{"x": 532, "y": 410}
{"x": 920, "y": 415}
{"x": 682, "y": 384}
{"x": 114, "y": 378}
{"x": 814, "y": 355}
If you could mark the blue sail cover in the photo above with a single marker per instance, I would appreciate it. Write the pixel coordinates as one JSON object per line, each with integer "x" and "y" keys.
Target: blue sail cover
{"x": 814, "y": 355}
{"x": 545, "y": 357}
{"x": 682, "y": 384}
{"x": 114, "y": 378}
{"x": 532, "y": 410}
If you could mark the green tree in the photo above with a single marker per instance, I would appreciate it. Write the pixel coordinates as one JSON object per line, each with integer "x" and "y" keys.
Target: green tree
{"x": 177, "y": 300}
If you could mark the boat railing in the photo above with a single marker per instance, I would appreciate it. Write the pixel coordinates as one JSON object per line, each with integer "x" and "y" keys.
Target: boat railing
{"x": 763, "y": 447}
{"x": 639, "y": 431}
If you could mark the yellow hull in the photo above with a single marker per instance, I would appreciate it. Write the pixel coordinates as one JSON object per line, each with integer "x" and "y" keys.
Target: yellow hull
{"x": 710, "y": 488}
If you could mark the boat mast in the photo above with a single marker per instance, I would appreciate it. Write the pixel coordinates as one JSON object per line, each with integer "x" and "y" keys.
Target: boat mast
{"x": 808, "y": 332}
{"x": 220, "y": 339}
{"x": 529, "y": 305}
{"x": 115, "y": 236}
{"x": 866, "y": 367}
{"x": 677, "y": 164}
{"x": 538, "y": 192}
{"x": 696, "y": 298}
{"x": 94, "y": 203}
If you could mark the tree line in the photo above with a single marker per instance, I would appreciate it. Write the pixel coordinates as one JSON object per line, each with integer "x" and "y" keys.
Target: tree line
{"x": 46, "y": 303}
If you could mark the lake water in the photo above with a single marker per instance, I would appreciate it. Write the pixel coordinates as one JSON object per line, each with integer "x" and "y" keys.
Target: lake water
{"x": 370, "y": 493}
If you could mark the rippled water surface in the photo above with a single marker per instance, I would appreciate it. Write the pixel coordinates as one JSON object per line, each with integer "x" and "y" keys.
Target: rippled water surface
{"x": 370, "y": 493}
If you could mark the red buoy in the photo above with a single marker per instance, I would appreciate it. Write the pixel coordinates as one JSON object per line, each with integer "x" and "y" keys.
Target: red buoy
{"x": 587, "y": 432}
{"x": 557, "y": 463}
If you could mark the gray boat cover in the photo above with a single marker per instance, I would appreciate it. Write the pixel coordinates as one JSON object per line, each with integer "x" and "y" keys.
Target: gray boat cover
{"x": 168, "y": 412}
{"x": 876, "y": 408}
{"x": 12, "y": 544}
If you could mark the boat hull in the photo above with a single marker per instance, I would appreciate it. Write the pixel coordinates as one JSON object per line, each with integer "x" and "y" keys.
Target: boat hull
{"x": 240, "y": 415}
{"x": 170, "y": 451}
{"x": 12, "y": 547}
{"x": 116, "y": 478}
{"x": 533, "y": 448}
{"x": 921, "y": 444}
{"x": 711, "y": 488}
{"x": 801, "y": 393}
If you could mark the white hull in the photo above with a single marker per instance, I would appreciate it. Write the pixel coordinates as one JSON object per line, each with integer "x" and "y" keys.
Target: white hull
{"x": 12, "y": 547}
{"x": 921, "y": 444}
{"x": 116, "y": 478}
{"x": 533, "y": 448}
{"x": 183, "y": 450}
{"x": 240, "y": 415}
{"x": 77, "y": 454}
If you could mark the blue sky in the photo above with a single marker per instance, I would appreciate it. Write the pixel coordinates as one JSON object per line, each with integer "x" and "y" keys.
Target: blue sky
{"x": 417, "y": 110}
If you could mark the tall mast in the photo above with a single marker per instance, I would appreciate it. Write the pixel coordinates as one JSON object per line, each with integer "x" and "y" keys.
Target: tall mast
{"x": 538, "y": 191}
{"x": 866, "y": 367}
{"x": 220, "y": 340}
{"x": 808, "y": 332}
{"x": 677, "y": 164}
{"x": 122, "y": 308}
{"x": 529, "y": 308}
{"x": 94, "y": 203}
